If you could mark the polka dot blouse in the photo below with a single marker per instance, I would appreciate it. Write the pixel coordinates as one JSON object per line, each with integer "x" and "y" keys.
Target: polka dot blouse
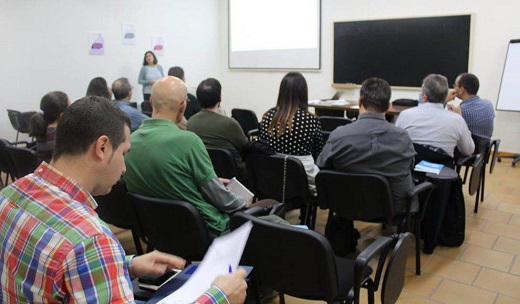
{"x": 305, "y": 138}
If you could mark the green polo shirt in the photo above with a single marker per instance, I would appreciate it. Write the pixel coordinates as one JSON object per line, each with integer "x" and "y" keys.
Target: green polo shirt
{"x": 167, "y": 162}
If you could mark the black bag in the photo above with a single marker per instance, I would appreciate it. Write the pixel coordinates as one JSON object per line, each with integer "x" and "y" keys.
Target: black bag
{"x": 453, "y": 226}
{"x": 342, "y": 236}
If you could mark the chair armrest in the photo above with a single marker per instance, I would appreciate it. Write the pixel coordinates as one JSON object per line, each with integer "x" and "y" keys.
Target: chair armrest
{"x": 424, "y": 187}
{"x": 253, "y": 132}
{"x": 380, "y": 246}
{"x": 417, "y": 189}
{"x": 22, "y": 142}
{"x": 465, "y": 160}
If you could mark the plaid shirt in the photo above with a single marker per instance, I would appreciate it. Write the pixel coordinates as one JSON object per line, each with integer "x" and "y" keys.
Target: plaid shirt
{"x": 479, "y": 115}
{"x": 54, "y": 248}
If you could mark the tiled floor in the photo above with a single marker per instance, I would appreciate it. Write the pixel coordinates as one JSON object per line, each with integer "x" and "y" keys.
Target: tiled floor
{"x": 485, "y": 269}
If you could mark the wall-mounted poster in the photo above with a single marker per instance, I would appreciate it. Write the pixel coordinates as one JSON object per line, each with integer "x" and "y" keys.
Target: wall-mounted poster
{"x": 128, "y": 33}
{"x": 96, "y": 43}
{"x": 158, "y": 45}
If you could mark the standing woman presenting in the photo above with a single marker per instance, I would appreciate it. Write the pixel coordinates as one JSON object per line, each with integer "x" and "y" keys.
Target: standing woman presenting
{"x": 150, "y": 72}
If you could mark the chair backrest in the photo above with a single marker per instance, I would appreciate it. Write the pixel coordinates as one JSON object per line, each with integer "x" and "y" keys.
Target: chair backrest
{"x": 146, "y": 108}
{"x": 246, "y": 118}
{"x": 330, "y": 123}
{"x": 476, "y": 173}
{"x": 20, "y": 120}
{"x": 405, "y": 102}
{"x": 6, "y": 164}
{"x": 393, "y": 281}
{"x": 482, "y": 146}
{"x": 363, "y": 197}
{"x": 171, "y": 226}
{"x": 326, "y": 135}
{"x": 495, "y": 144}
{"x": 113, "y": 207}
{"x": 223, "y": 162}
{"x": 267, "y": 179}
{"x": 293, "y": 261}
{"x": 24, "y": 160}
{"x": 14, "y": 118}
{"x": 433, "y": 154}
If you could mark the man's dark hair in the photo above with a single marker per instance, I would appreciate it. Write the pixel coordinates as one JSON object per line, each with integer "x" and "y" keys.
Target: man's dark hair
{"x": 435, "y": 87}
{"x": 176, "y": 71}
{"x": 98, "y": 87}
{"x": 85, "y": 121}
{"x": 121, "y": 88}
{"x": 208, "y": 93}
{"x": 469, "y": 82}
{"x": 375, "y": 94}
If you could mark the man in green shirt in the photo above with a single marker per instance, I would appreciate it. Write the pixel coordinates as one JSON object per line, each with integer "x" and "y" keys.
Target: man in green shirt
{"x": 217, "y": 130}
{"x": 167, "y": 162}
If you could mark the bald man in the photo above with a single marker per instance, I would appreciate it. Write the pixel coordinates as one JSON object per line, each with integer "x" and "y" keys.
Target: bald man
{"x": 167, "y": 162}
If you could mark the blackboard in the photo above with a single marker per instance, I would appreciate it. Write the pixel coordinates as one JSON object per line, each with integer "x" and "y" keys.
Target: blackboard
{"x": 401, "y": 51}
{"x": 509, "y": 94}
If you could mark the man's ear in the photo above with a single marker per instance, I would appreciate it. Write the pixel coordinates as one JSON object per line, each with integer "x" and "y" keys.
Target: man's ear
{"x": 102, "y": 147}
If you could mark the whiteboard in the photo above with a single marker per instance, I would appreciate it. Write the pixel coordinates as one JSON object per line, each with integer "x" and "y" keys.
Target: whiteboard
{"x": 509, "y": 94}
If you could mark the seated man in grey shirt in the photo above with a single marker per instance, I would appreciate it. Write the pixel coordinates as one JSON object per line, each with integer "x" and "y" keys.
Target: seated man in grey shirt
{"x": 372, "y": 145}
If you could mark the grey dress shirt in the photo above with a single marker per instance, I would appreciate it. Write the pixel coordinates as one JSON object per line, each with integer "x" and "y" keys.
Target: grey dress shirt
{"x": 371, "y": 145}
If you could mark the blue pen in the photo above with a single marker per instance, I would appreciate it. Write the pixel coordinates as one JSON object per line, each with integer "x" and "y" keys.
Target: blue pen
{"x": 230, "y": 269}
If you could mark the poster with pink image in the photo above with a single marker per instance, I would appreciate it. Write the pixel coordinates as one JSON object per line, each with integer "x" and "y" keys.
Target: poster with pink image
{"x": 158, "y": 45}
{"x": 96, "y": 43}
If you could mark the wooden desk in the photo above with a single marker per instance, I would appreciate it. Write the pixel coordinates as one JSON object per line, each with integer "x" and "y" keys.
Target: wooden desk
{"x": 326, "y": 109}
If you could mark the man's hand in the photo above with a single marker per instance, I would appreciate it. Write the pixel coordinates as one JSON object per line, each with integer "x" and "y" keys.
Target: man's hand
{"x": 233, "y": 285}
{"x": 225, "y": 181}
{"x": 155, "y": 262}
{"x": 455, "y": 109}
{"x": 451, "y": 96}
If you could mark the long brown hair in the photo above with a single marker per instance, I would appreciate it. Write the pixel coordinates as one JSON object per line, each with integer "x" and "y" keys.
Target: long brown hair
{"x": 293, "y": 94}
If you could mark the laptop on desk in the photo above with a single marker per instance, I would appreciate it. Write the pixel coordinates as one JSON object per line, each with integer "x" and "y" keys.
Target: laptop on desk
{"x": 335, "y": 97}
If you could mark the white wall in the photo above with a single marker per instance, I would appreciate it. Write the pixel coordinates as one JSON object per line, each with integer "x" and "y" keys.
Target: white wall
{"x": 494, "y": 24}
{"x": 45, "y": 46}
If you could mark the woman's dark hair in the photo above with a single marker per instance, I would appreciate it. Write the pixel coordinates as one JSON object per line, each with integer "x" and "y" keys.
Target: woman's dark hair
{"x": 154, "y": 58}
{"x": 85, "y": 121}
{"x": 52, "y": 105}
{"x": 98, "y": 87}
{"x": 293, "y": 95}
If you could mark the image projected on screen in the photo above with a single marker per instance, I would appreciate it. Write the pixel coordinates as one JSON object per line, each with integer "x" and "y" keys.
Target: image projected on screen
{"x": 274, "y": 34}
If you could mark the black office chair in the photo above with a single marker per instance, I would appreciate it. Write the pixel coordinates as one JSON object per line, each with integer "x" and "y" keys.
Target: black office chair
{"x": 475, "y": 181}
{"x": 247, "y": 120}
{"x": 282, "y": 178}
{"x": 330, "y": 123}
{"x": 405, "y": 102}
{"x": 368, "y": 198}
{"x": 171, "y": 226}
{"x": 20, "y": 121}
{"x": 223, "y": 162}
{"x": 300, "y": 263}
{"x": 146, "y": 108}
{"x": 24, "y": 161}
{"x": 114, "y": 209}
{"x": 6, "y": 164}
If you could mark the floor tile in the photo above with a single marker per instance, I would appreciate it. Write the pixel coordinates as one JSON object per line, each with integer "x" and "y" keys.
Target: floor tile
{"x": 515, "y": 269}
{"x": 487, "y": 258}
{"x": 407, "y": 298}
{"x": 509, "y": 207}
{"x": 511, "y": 231}
{"x": 498, "y": 281}
{"x": 507, "y": 245}
{"x": 515, "y": 220}
{"x": 423, "y": 285}
{"x": 491, "y": 215}
{"x": 480, "y": 238}
{"x": 452, "y": 269}
{"x": 506, "y": 300}
{"x": 475, "y": 224}
{"x": 454, "y": 292}
{"x": 450, "y": 252}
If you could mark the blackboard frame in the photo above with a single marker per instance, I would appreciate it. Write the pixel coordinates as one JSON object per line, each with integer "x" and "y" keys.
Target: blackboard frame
{"x": 402, "y": 51}
{"x": 507, "y": 81}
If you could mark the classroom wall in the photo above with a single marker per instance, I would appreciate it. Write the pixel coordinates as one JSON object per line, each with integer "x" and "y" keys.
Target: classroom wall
{"x": 494, "y": 24}
{"x": 45, "y": 46}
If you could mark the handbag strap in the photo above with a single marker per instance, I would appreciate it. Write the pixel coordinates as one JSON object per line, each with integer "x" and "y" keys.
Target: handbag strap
{"x": 284, "y": 177}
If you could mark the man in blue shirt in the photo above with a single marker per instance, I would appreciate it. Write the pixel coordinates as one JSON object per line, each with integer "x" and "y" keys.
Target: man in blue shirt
{"x": 477, "y": 112}
{"x": 122, "y": 94}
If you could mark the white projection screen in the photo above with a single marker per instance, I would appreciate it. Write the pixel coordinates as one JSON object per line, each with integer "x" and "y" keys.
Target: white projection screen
{"x": 509, "y": 94}
{"x": 274, "y": 34}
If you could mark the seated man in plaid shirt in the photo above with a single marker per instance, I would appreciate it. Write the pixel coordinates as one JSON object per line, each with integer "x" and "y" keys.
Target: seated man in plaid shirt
{"x": 53, "y": 246}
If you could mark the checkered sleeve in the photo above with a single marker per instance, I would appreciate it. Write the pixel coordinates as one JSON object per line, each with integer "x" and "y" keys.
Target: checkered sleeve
{"x": 95, "y": 272}
{"x": 214, "y": 295}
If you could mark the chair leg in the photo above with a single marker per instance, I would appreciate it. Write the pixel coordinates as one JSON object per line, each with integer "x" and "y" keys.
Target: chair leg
{"x": 483, "y": 182}
{"x": 281, "y": 298}
{"x": 371, "y": 297}
{"x": 417, "y": 246}
{"x": 475, "y": 210}
{"x": 137, "y": 243}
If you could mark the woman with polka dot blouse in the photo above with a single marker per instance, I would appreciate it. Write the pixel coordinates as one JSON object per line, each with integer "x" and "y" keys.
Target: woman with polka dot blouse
{"x": 290, "y": 129}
